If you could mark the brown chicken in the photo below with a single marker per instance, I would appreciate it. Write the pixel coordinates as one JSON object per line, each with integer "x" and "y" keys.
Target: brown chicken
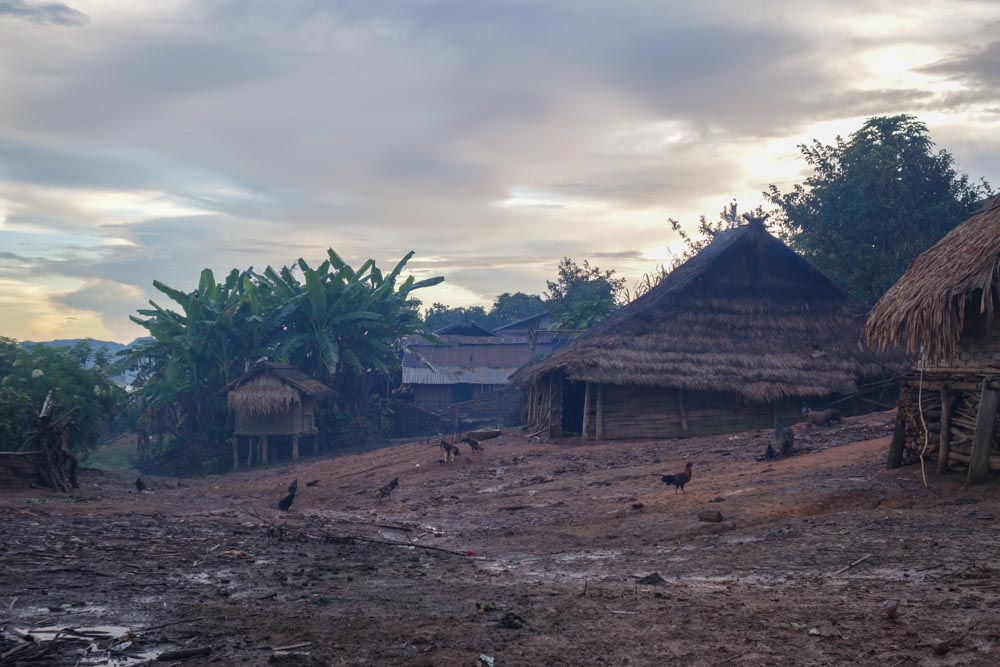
{"x": 386, "y": 491}
{"x": 450, "y": 451}
{"x": 679, "y": 480}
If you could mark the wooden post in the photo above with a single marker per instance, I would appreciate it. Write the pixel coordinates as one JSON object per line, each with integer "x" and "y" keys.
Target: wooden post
{"x": 236, "y": 452}
{"x": 315, "y": 444}
{"x": 898, "y": 437}
{"x": 947, "y": 401}
{"x": 586, "y": 413}
{"x": 295, "y": 448}
{"x": 599, "y": 417}
{"x": 250, "y": 445}
{"x": 263, "y": 450}
{"x": 683, "y": 410}
{"x": 555, "y": 405}
{"x": 979, "y": 463}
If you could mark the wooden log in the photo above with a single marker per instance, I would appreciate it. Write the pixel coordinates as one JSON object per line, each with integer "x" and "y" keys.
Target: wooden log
{"x": 979, "y": 464}
{"x": 898, "y": 440}
{"x": 184, "y": 653}
{"x": 586, "y": 413}
{"x": 684, "y": 418}
{"x": 599, "y": 418}
{"x": 947, "y": 400}
{"x": 958, "y": 457}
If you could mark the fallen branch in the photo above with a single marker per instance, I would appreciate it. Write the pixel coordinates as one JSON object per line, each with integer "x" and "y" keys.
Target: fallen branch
{"x": 167, "y": 625}
{"x": 184, "y": 653}
{"x": 848, "y": 567}
{"x": 408, "y": 544}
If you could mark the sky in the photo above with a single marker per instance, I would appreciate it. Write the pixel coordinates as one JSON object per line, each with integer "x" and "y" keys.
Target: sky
{"x": 149, "y": 140}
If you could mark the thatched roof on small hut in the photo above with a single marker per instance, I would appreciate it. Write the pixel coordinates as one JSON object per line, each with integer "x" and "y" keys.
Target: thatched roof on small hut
{"x": 928, "y": 307}
{"x": 272, "y": 387}
{"x": 747, "y": 315}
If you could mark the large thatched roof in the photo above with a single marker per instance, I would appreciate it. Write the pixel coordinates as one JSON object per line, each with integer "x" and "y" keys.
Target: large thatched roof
{"x": 271, "y": 387}
{"x": 927, "y": 308}
{"x": 746, "y": 315}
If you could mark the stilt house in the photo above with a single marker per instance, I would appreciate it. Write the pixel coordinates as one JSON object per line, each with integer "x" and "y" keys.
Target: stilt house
{"x": 274, "y": 405}
{"x": 944, "y": 308}
{"x": 737, "y": 338}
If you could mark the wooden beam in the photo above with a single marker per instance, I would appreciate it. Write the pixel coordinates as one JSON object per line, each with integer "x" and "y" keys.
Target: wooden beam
{"x": 263, "y": 449}
{"x": 979, "y": 462}
{"x": 250, "y": 445}
{"x": 586, "y": 413}
{"x": 599, "y": 417}
{"x": 295, "y": 448}
{"x": 898, "y": 438}
{"x": 236, "y": 452}
{"x": 683, "y": 411}
{"x": 947, "y": 401}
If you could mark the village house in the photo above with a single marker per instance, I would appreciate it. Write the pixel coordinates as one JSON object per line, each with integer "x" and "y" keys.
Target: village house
{"x": 740, "y": 337}
{"x": 944, "y": 308}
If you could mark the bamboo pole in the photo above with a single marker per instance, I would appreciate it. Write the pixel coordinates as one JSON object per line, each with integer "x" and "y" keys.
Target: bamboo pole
{"x": 979, "y": 463}
{"x": 683, "y": 411}
{"x": 586, "y": 413}
{"x": 599, "y": 418}
{"x": 947, "y": 400}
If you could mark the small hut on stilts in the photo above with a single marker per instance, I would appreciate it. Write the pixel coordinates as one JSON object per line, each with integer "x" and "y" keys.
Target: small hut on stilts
{"x": 274, "y": 404}
{"x": 944, "y": 308}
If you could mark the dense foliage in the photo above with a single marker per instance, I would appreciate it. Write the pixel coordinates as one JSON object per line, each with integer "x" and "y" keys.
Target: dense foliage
{"x": 78, "y": 378}
{"x": 874, "y": 202}
{"x": 507, "y": 308}
{"x": 583, "y": 295}
{"x": 343, "y": 326}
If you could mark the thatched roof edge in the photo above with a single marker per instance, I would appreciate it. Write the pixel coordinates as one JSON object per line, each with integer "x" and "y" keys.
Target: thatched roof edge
{"x": 927, "y": 308}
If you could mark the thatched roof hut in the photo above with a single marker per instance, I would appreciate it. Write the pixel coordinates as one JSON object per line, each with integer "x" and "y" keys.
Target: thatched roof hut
{"x": 944, "y": 307}
{"x": 274, "y": 400}
{"x": 946, "y": 289}
{"x": 745, "y": 324}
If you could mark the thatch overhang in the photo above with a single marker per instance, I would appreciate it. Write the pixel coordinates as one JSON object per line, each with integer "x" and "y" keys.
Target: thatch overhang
{"x": 272, "y": 387}
{"x": 928, "y": 308}
{"x": 747, "y": 315}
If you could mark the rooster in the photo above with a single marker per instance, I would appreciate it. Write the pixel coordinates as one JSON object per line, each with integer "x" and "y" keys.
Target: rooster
{"x": 679, "y": 480}
{"x": 450, "y": 451}
{"x": 472, "y": 442}
{"x": 139, "y": 485}
{"x": 386, "y": 491}
{"x": 285, "y": 503}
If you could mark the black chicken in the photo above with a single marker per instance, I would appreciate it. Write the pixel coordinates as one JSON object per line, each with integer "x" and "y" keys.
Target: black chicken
{"x": 680, "y": 479}
{"x": 139, "y": 485}
{"x": 286, "y": 503}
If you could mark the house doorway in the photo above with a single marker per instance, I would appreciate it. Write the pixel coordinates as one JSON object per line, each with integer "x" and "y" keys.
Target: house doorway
{"x": 572, "y": 417}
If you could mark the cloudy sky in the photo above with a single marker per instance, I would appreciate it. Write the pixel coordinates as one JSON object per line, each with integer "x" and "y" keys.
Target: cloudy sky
{"x": 143, "y": 140}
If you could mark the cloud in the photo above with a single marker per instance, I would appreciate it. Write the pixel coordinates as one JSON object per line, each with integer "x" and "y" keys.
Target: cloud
{"x": 492, "y": 137}
{"x": 42, "y": 12}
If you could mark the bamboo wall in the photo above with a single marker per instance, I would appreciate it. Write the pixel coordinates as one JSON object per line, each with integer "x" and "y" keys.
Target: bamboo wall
{"x": 300, "y": 419}
{"x": 617, "y": 412}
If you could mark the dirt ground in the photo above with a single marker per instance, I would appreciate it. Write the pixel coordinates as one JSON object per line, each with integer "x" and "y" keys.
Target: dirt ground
{"x": 541, "y": 554}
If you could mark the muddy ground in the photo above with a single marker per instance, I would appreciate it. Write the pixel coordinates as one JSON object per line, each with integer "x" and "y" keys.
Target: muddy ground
{"x": 550, "y": 540}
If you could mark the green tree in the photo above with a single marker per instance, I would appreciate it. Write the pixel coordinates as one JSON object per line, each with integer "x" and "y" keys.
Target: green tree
{"x": 28, "y": 372}
{"x": 874, "y": 202}
{"x": 583, "y": 295}
{"x": 508, "y": 308}
{"x": 438, "y": 316}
